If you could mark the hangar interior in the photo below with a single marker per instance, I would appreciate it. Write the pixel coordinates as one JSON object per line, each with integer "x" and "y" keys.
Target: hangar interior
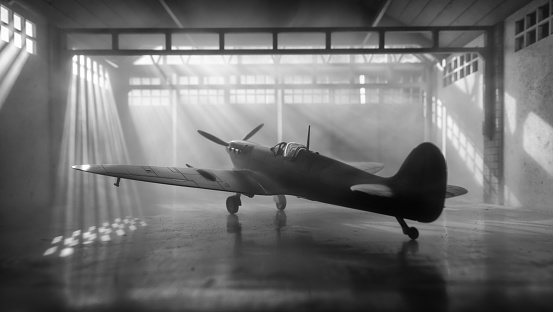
{"x": 131, "y": 82}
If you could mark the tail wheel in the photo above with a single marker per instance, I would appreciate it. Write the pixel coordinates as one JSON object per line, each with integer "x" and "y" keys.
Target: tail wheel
{"x": 413, "y": 233}
{"x": 233, "y": 203}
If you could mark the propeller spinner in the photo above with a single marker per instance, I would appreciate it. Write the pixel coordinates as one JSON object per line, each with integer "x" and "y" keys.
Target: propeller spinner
{"x": 215, "y": 139}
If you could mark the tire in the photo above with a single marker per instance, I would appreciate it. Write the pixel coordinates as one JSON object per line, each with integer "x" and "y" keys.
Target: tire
{"x": 413, "y": 233}
{"x": 232, "y": 204}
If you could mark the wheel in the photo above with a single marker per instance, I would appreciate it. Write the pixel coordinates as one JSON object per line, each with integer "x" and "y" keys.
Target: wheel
{"x": 232, "y": 204}
{"x": 280, "y": 201}
{"x": 413, "y": 233}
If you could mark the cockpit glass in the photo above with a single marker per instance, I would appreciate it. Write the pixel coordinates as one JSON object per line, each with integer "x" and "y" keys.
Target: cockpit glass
{"x": 287, "y": 150}
{"x": 278, "y": 149}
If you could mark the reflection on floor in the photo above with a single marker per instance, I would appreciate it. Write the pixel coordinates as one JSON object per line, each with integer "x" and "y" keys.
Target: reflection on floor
{"x": 311, "y": 257}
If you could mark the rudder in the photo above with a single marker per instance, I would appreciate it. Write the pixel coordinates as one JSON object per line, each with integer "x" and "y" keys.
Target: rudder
{"x": 421, "y": 182}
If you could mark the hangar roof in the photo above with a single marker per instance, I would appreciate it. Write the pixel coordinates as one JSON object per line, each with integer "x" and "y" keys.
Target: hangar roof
{"x": 266, "y": 13}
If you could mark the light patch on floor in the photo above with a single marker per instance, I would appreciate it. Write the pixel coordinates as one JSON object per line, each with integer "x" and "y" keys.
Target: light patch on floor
{"x": 93, "y": 232}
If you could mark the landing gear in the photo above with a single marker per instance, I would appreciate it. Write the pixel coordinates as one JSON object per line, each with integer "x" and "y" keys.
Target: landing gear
{"x": 233, "y": 203}
{"x": 412, "y": 232}
{"x": 280, "y": 201}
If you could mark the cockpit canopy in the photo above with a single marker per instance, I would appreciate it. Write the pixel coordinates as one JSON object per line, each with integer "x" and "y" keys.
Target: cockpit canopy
{"x": 288, "y": 150}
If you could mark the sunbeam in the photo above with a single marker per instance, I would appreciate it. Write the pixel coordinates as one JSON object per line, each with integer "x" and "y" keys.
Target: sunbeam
{"x": 92, "y": 133}
{"x": 12, "y": 60}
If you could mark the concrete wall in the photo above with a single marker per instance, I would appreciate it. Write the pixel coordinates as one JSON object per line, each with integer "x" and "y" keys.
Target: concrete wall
{"x": 24, "y": 128}
{"x": 457, "y": 116}
{"x": 528, "y": 118}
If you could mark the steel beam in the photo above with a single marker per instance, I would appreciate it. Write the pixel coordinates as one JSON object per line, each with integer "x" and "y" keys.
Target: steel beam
{"x": 325, "y": 86}
{"x": 233, "y": 30}
{"x": 274, "y": 48}
{"x": 137, "y": 52}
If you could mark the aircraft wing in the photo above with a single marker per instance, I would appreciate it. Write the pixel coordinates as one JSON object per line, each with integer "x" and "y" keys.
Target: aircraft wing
{"x": 236, "y": 181}
{"x": 453, "y": 191}
{"x": 369, "y": 167}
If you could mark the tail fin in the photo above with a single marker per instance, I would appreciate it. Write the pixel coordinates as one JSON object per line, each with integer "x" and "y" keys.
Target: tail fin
{"x": 422, "y": 182}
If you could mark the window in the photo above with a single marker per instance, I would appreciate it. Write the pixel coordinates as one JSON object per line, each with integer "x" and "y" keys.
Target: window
{"x": 347, "y": 96}
{"x": 202, "y": 96}
{"x": 146, "y": 97}
{"x": 297, "y": 79}
{"x": 255, "y": 79}
{"x": 312, "y": 80}
{"x": 14, "y": 28}
{"x": 5, "y": 21}
{"x": 533, "y": 27}
{"x": 91, "y": 71}
{"x": 189, "y": 80}
{"x": 144, "y": 81}
{"x": 307, "y": 96}
{"x": 459, "y": 67}
{"x": 252, "y": 96}
{"x": 214, "y": 80}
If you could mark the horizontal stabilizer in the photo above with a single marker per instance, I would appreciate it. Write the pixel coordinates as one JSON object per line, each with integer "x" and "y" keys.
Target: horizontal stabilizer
{"x": 373, "y": 189}
{"x": 453, "y": 191}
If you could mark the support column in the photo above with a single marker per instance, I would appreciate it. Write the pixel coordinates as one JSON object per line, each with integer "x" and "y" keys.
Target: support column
{"x": 430, "y": 91}
{"x": 493, "y": 118}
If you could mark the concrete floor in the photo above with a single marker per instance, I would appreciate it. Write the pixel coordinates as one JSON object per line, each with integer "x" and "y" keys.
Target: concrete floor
{"x": 195, "y": 256}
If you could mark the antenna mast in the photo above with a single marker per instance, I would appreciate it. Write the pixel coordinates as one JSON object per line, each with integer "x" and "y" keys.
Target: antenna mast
{"x": 308, "y": 135}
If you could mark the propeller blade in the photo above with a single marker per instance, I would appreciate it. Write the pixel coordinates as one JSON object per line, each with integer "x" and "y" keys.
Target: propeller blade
{"x": 212, "y": 138}
{"x": 254, "y": 131}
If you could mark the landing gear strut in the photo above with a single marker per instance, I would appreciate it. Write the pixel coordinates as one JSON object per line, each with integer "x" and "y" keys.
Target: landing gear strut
{"x": 233, "y": 203}
{"x": 412, "y": 232}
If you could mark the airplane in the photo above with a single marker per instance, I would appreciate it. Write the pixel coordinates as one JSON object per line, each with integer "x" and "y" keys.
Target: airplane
{"x": 416, "y": 192}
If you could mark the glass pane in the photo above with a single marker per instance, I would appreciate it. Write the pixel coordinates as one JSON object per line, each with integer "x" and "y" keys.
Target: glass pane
{"x": 195, "y": 41}
{"x": 248, "y": 41}
{"x": 29, "y": 29}
{"x": 88, "y": 41}
{"x": 5, "y": 33}
{"x": 142, "y": 41}
{"x": 17, "y": 40}
{"x": 17, "y": 22}
{"x": 301, "y": 40}
{"x": 30, "y": 46}
{"x": 355, "y": 39}
{"x": 5, "y": 15}
{"x": 407, "y": 39}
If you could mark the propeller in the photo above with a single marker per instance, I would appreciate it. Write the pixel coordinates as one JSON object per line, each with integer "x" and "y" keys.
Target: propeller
{"x": 254, "y": 131}
{"x": 215, "y": 139}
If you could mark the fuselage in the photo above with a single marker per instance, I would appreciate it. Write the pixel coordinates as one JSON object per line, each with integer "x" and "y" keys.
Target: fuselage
{"x": 417, "y": 191}
{"x": 310, "y": 175}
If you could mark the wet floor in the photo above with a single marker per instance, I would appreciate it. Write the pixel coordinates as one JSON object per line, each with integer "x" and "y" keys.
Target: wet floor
{"x": 310, "y": 257}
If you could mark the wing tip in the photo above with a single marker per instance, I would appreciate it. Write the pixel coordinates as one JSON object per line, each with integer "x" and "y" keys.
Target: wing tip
{"x": 81, "y": 167}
